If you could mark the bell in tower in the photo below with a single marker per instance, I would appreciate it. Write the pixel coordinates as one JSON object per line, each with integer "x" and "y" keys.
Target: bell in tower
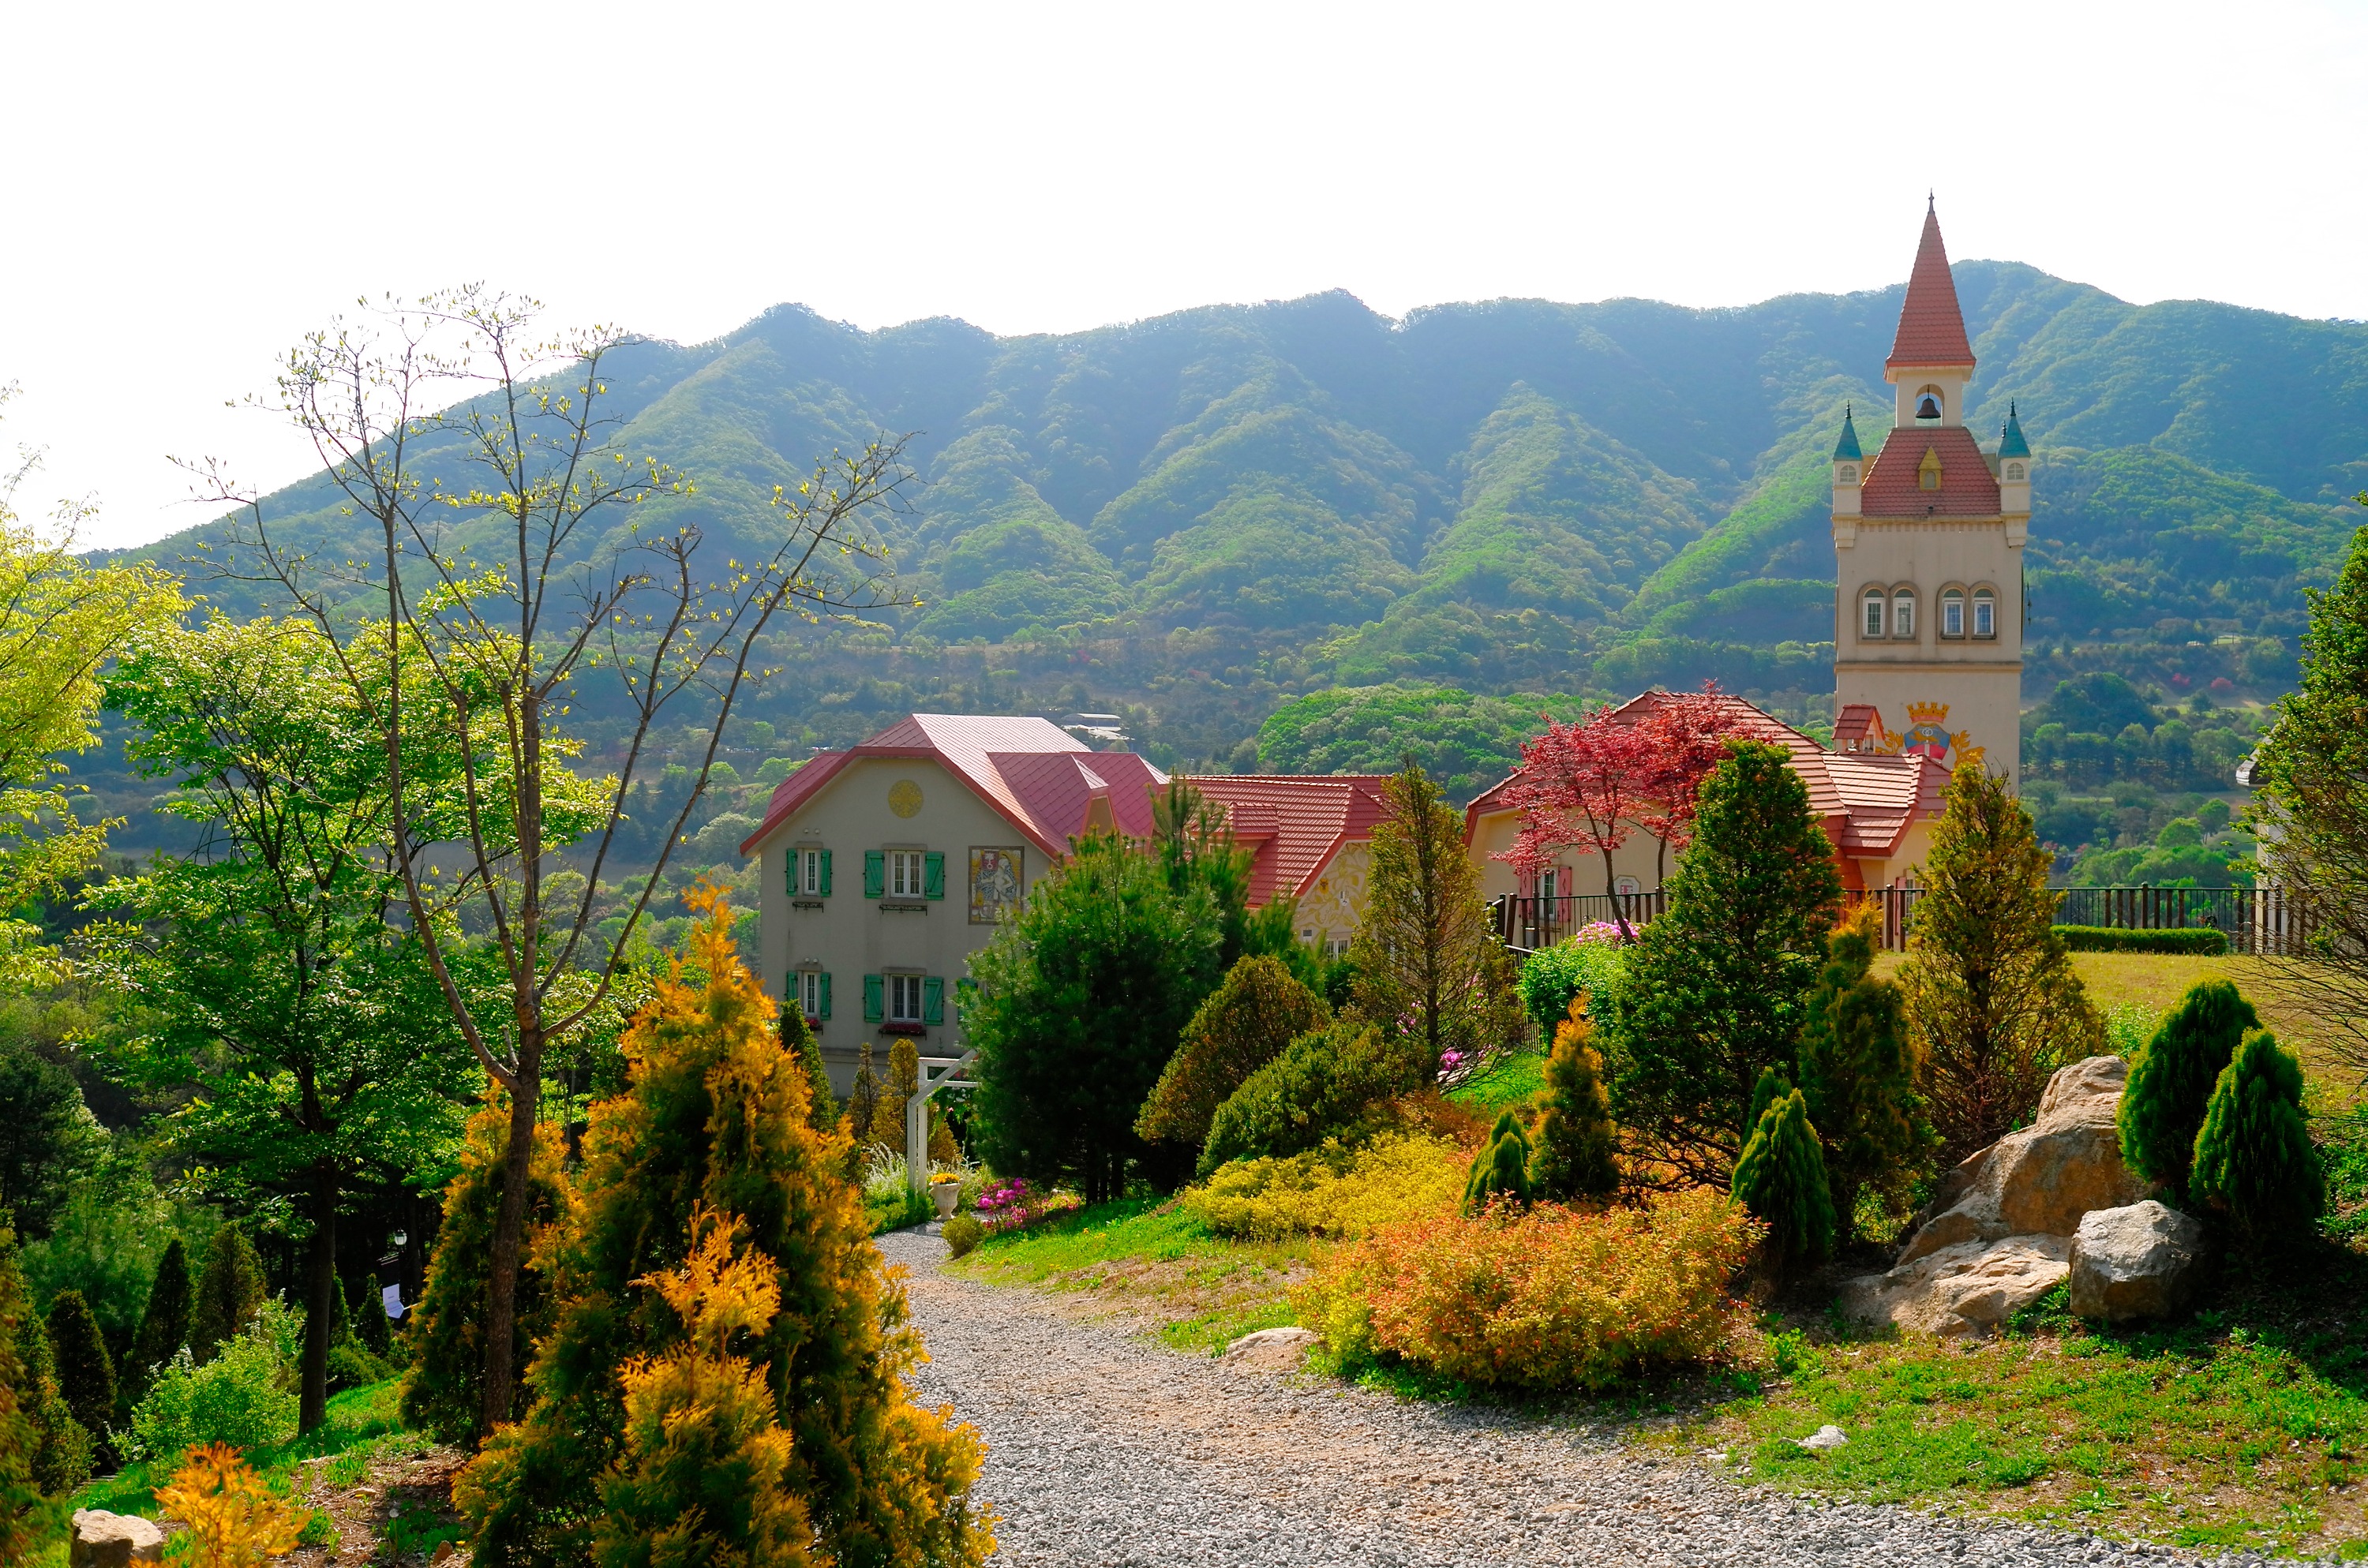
{"x": 1928, "y": 407}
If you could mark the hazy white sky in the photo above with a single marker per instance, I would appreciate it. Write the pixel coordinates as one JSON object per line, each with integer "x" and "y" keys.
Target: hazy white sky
{"x": 189, "y": 188}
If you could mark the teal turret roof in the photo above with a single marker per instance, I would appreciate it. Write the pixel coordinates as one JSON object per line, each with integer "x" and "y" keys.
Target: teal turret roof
{"x": 1845, "y": 449}
{"x": 2011, "y": 444}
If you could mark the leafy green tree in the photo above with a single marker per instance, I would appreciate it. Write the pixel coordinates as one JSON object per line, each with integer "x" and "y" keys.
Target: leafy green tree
{"x": 1781, "y": 1178}
{"x": 1573, "y": 1154}
{"x": 1334, "y": 1082}
{"x": 1258, "y": 1009}
{"x": 166, "y": 1326}
{"x": 276, "y": 979}
{"x": 1500, "y": 1171}
{"x": 1993, "y": 1002}
{"x": 229, "y": 1292}
{"x": 2253, "y": 1154}
{"x": 1078, "y": 1006}
{"x": 85, "y": 1372}
{"x": 1715, "y": 990}
{"x": 1857, "y": 1075}
{"x": 711, "y": 1137}
{"x": 2172, "y": 1078}
{"x": 1428, "y": 960}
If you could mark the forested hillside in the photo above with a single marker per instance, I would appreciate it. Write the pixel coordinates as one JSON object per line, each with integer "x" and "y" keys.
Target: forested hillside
{"x": 1196, "y": 518}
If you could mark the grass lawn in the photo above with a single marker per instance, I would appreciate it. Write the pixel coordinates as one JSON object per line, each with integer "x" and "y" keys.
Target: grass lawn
{"x": 1509, "y": 1081}
{"x": 1148, "y": 1257}
{"x": 362, "y": 1426}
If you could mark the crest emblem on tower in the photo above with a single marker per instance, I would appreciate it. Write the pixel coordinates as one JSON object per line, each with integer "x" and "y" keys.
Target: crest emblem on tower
{"x": 1928, "y": 730}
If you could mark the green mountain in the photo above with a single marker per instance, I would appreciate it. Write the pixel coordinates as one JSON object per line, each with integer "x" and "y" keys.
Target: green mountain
{"x": 1197, "y": 519}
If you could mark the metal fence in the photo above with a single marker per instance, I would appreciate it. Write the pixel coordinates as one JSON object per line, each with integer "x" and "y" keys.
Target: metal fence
{"x": 2255, "y": 920}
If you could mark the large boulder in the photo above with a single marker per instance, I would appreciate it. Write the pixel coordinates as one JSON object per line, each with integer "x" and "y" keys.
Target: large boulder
{"x": 1962, "y": 1290}
{"x": 2038, "y": 1181}
{"x": 2140, "y": 1261}
{"x": 102, "y": 1540}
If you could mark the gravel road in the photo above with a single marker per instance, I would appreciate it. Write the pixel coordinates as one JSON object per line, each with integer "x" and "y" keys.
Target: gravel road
{"x": 1109, "y": 1450}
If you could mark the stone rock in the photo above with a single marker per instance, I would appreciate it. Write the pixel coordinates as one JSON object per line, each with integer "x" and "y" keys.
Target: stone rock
{"x": 1278, "y": 1348}
{"x": 1966, "y": 1290}
{"x": 1825, "y": 1438}
{"x": 2135, "y": 1262}
{"x": 2038, "y": 1181}
{"x": 102, "y": 1540}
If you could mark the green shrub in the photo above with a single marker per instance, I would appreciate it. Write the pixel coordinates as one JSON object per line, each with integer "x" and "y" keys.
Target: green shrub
{"x": 353, "y": 1367}
{"x": 2201, "y": 939}
{"x": 243, "y": 1395}
{"x": 1573, "y": 1153}
{"x": 1552, "y": 977}
{"x": 370, "y": 1327}
{"x": 1328, "y": 1084}
{"x": 1856, "y": 1074}
{"x": 821, "y": 1109}
{"x": 2171, "y": 1082}
{"x": 1781, "y": 1178}
{"x": 85, "y": 1372}
{"x": 1246, "y": 1023}
{"x": 1501, "y": 1168}
{"x": 962, "y": 1236}
{"x": 2253, "y": 1154}
{"x": 1332, "y": 1191}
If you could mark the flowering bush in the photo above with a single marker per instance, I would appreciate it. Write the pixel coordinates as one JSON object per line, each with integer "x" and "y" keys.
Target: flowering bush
{"x": 1596, "y": 933}
{"x": 1011, "y": 1204}
{"x": 1332, "y": 1191}
{"x": 1551, "y": 1297}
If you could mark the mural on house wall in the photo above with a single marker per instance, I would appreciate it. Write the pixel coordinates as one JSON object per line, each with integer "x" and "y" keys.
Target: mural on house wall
{"x": 995, "y": 883}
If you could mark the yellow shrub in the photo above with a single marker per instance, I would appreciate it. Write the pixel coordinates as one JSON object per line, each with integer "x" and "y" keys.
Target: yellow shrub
{"x": 1333, "y": 1192}
{"x": 232, "y": 1516}
{"x": 1549, "y": 1299}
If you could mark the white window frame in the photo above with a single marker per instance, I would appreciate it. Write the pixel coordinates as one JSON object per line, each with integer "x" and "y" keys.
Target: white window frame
{"x": 1550, "y": 883}
{"x": 809, "y": 872}
{"x": 1903, "y": 615}
{"x": 809, "y": 997}
{"x": 1952, "y": 614}
{"x": 1985, "y": 614}
{"x": 1874, "y": 613}
{"x": 903, "y": 990}
{"x": 908, "y": 874}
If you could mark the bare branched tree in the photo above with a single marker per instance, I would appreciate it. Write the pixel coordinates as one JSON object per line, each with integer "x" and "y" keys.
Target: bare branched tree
{"x": 482, "y": 457}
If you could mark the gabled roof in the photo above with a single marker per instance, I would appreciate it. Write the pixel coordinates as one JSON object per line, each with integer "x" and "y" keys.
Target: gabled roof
{"x": 1968, "y": 489}
{"x": 1036, "y": 776}
{"x": 1931, "y": 328}
{"x": 1294, "y": 825}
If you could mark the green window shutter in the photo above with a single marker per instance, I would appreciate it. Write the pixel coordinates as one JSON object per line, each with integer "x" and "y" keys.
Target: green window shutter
{"x": 824, "y": 1000}
{"x": 933, "y": 874}
{"x": 790, "y": 872}
{"x": 875, "y": 873}
{"x": 875, "y": 1001}
{"x": 933, "y": 1000}
{"x": 824, "y": 883}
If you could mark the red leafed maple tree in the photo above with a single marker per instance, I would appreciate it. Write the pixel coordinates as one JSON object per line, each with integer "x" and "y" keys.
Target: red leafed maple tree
{"x": 1688, "y": 733}
{"x": 1581, "y": 785}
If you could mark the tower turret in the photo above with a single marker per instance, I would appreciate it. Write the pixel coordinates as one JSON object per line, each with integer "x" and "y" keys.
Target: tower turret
{"x": 1849, "y": 473}
{"x": 2014, "y": 476}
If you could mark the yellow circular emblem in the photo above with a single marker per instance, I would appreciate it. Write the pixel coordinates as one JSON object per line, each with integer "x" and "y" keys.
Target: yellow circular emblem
{"x": 905, "y": 798}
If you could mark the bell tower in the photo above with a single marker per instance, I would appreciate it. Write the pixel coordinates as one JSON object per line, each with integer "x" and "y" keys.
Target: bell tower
{"x": 1928, "y": 552}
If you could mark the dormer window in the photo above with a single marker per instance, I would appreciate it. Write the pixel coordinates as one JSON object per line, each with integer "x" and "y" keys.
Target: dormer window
{"x": 1927, "y": 403}
{"x": 1928, "y": 473}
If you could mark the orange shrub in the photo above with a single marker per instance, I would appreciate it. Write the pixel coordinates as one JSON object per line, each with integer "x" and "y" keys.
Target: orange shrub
{"x": 233, "y": 1517}
{"x": 1554, "y": 1297}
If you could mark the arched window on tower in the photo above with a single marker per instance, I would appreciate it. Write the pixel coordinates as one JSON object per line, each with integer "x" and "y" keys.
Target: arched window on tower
{"x": 1871, "y": 622}
{"x": 1902, "y": 613}
{"x": 1984, "y": 613}
{"x": 1952, "y": 612}
{"x": 2014, "y": 474}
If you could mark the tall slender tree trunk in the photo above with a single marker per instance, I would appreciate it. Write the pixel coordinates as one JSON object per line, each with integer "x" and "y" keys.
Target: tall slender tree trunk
{"x": 509, "y": 1232}
{"x": 320, "y": 1301}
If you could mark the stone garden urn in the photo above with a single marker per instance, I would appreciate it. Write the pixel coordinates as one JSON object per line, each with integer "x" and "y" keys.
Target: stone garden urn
{"x": 948, "y": 1194}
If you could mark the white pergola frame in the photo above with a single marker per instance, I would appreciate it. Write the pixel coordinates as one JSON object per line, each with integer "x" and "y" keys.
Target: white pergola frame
{"x": 937, "y": 1072}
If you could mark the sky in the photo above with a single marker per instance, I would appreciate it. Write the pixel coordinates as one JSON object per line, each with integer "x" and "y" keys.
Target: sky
{"x": 188, "y": 190}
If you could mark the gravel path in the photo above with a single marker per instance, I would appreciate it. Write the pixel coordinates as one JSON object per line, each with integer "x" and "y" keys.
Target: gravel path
{"x": 1115, "y": 1451}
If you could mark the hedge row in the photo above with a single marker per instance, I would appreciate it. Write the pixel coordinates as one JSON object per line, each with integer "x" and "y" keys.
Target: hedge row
{"x": 2113, "y": 939}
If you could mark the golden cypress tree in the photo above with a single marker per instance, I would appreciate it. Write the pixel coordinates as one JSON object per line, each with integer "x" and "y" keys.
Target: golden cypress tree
{"x": 903, "y": 1083}
{"x": 1572, "y": 1156}
{"x": 713, "y": 1122}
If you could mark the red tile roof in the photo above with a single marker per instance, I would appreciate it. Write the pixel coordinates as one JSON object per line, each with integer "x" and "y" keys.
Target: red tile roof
{"x": 1931, "y": 328}
{"x": 1294, "y": 825}
{"x": 1893, "y": 488}
{"x": 1034, "y": 774}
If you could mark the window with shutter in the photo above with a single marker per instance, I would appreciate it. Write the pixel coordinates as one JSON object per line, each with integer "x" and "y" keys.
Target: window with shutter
{"x": 875, "y": 989}
{"x": 825, "y": 1011}
{"x": 933, "y": 1000}
{"x": 822, "y": 873}
{"x": 875, "y": 873}
{"x": 933, "y": 874}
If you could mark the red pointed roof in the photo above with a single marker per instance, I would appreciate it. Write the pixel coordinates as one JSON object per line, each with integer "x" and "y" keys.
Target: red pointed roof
{"x": 1294, "y": 825}
{"x": 1932, "y": 327}
{"x": 1894, "y": 483}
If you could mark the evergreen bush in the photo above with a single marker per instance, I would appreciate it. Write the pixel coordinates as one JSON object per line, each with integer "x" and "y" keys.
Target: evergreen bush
{"x": 711, "y": 1138}
{"x": 2253, "y": 1154}
{"x": 443, "y": 1392}
{"x": 47, "y": 1452}
{"x": 164, "y": 1326}
{"x": 862, "y": 1102}
{"x": 1500, "y": 1171}
{"x": 230, "y": 1290}
{"x": 1257, "y": 1010}
{"x": 369, "y": 1320}
{"x": 2202, "y": 940}
{"x": 1858, "y": 1075}
{"x": 962, "y": 1236}
{"x": 2171, "y": 1080}
{"x": 1573, "y": 1156}
{"x": 903, "y": 1083}
{"x": 822, "y": 1107}
{"x": 85, "y": 1372}
{"x": 1330, "y": 1083}
{"x": 1781, "y": 1178}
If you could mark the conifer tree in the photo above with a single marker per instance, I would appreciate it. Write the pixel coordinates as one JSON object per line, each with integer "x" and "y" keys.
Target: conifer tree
{"x": 943, "y": 1150}
{"x": 713, "y": 1130}
{"x": 443, "y": 1392}
{"x": 1715, "y": 990}
{"x": 1992, "y": 1001}
{"x": 862, "y": 1100}
{"x": 1572, "y": 1156}
{"x": 1501, "y": 1168}
{"x": 370, "y": 1321}
{"x": 1857, "y": 1075}
{"x": 1781, "y": 1178}
{"x": 2253, "y": 1154}
{"x": 229, "y": 1292}
{"x": 85, "y": 1370}
{"x": 2172, "y": 1081}
{"x": 58, "y": 1455}
{"x": 903, "y": 1082}
{"x": 1245, "y": 1023}
{"x": 164, "y": 1326}
{"x": 822, "y": 1108}
{"x": 19, "y": 1435}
